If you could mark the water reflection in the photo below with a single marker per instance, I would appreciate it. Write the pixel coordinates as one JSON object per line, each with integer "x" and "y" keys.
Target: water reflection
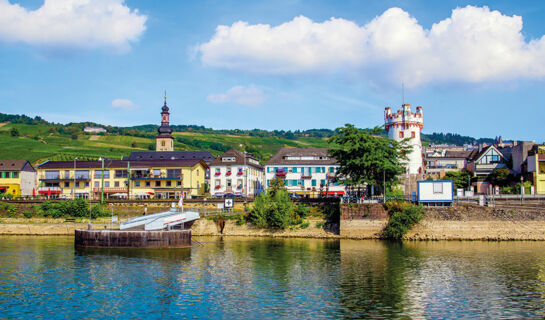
{"x": 273, "y": 278}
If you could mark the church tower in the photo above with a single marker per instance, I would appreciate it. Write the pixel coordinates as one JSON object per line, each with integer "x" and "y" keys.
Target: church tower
{"x": 405, "y": 124}
{"x": 164, "y": 141}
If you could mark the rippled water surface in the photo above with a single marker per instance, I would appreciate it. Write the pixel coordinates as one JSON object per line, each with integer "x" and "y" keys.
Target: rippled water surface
{"x": 263, "y": 278}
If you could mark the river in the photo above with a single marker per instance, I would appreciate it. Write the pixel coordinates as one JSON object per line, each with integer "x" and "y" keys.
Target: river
{"x": 262, "y": 278}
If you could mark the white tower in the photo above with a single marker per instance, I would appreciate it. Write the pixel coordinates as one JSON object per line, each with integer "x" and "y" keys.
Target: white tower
{"x": 405, "y": 124}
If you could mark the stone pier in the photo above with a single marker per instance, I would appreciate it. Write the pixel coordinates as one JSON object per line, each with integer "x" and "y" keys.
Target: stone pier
{"x": 133, "y": 238}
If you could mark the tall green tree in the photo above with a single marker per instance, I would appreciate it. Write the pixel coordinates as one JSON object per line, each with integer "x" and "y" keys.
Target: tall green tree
{"x": 365, "y": 157}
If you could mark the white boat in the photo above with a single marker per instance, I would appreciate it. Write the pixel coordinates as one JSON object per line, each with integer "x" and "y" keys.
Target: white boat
{"x": 172, "y": 219}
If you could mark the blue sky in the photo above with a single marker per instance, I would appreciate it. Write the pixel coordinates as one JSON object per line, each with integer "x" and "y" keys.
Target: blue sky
{"x": 477, "y": 68}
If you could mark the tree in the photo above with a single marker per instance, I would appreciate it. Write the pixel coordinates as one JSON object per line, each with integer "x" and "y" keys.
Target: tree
{"x": 14, "y": 132}
{"x": 500, "y": 177}
{"x": 364, "y": 157}
{"x": 460, "y": 179}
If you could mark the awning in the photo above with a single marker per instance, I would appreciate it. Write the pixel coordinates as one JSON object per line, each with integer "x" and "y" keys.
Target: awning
{"x": 333, "y": 193}
{"x": 49, "y": 191}
{"x": 3, "y": 188}
{"x": 82, "y": 192}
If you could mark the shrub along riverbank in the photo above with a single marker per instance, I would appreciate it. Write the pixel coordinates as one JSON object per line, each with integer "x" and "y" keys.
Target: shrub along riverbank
{"x": 78, "y": 208}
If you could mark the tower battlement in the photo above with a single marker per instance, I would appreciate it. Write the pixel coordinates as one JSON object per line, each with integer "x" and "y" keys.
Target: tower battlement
{"x": 403, "y": 117}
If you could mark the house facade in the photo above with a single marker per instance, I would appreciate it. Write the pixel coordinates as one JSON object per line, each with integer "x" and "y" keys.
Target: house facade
{"x": 440, "y": 162}
{"x": 536, "y": 168}
{"x": 236, "y": 173}
{"x": 308, "y": 172}
{"x": 17, "y": 177}
{"x": 122, "y": 179}
{"x": 483, "y": 164}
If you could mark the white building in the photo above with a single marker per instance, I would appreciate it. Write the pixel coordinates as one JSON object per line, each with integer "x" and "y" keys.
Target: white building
{"x": 305, "y": 171}
{"x": 94, "y": 130}
{"x": 405, "y": 124}
{"x": 236, "y": 173}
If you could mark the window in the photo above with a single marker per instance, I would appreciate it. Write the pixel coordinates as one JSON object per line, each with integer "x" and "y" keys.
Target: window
{"x": 87, "y": 184}
{"x": 437, "y": 187}
{"x": 162, "y": 143}
{"x": 401, "y": 135}
{"x": 413, "y": 134}
{"x": 217, "y": 182}
{"x": 178, "y": 183}
{"x": 96, "y": 184}
{"x": 267, "y": 169}
{"x": 82, "y": 174}
{"x": 51, "y": 175}
{"x": 66, "y": 184}
{"x": 314, "y": 182}
{"x": 268, "y": 183}
{"x": 294, "y": 169}
{"x": 322, "y": 182}
{"x": 157, "y": 183}
{"x": 174, "y": 173}
{"x": 157, "y": 172}
{"x": 66, "y": 174}
{"x": 15, "y": 175}
{"x": 107, "y": 184}
{"x": 169, "y": 183}
{"x": 148, "y": 184}
{"x": 98, "y": 174}
{"x": 137, "y": 184}
{"x": 77, "y": 184}
{"x": 331, "y": 169}
{"x": 228, "y": 182}
{"x": 116, "y": 184}
{"x": 239, "y": 183}
{"x": 121, "y": 173}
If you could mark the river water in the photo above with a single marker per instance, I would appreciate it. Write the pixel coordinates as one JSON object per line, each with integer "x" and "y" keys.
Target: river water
{"x": 262, "y": 278}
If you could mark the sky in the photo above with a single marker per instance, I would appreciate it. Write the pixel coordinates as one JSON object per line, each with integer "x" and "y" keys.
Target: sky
{"x": 477, "y": 68}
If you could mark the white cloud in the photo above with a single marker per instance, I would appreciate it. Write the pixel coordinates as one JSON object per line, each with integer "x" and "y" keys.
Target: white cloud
{"x": 124, "y": 104}
{"x": 83, "y": 24}
{"x": 246, "y": 96}
{"x": 474, "y": 45}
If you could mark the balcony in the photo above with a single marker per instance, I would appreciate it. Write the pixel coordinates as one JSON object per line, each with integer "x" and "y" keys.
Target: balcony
{"x": 228, "y": 173}
{"x": 240, "y": 173}
{"x": 65, "y": 178}
{"x": 217, "y": 173}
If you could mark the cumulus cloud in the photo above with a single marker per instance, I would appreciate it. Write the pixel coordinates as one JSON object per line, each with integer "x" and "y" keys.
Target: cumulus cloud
{"x": 246, "y": 96}
{"x": 86, "y": 24}
{"x": 125, "y": 104}
{"x": 473, "y": 45}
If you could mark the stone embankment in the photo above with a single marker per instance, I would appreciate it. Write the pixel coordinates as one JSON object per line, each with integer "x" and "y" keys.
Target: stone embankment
{"x": 366, "y": 221}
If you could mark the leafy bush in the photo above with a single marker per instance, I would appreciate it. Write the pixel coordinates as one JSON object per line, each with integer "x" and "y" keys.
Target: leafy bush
{"x": 73, "y": 208}
{"x": 275, "y": 209}
{"x": 305, "y": 225}
{"x": 319, "y": 225}
{"x": 402, "y": 221}
{"x": 8, "y": 208}
{"x": 28, "y": 214}
{"x": 98, "y": 210}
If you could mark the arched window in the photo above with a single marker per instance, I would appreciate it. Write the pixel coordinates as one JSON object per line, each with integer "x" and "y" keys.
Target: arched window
{"x": 163, "y": 143}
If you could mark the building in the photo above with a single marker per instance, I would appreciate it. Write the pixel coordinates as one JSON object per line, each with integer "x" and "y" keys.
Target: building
{"x": 164, "y": 141}
{"x": 483, "y": 163}
{"x": 436, "y": 193}
{"x": 236, "y": 173}
{"x": 94, "y": 130}
{"x": 535, "y": 164}
{"x": 405, "y": 124}
{"x": 147, "y": 179}
{"x": 305, "y": 171}
{"x": 17, "y": 177}
{"x": 520, "y": 154}
{"x": 441, "y": 161}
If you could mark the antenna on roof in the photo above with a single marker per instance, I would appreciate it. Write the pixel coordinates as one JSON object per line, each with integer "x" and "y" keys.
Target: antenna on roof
{"x": 402, "y": 92}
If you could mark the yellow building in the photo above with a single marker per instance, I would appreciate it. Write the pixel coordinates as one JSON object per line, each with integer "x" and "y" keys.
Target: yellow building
{"x": 536, "y": 166}
{"x": 159, "y": 179}
{"x": 17, "y": 177}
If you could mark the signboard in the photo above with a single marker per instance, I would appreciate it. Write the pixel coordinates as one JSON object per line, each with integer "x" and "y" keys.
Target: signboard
{"x": 220, "y": 205}
{"x": 434, "y": 191}
{"x": 114, "y": 219}
{"x": 228, "y": 203}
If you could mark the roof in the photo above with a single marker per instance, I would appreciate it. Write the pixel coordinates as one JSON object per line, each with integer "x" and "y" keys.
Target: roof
{"x": 16, "y": 165}
{"x": 455, "y": 154}
{"x": 97, "y": 164}
{"x": 320, "y": 155}
{"x": 477, "y": 155}
{"x": 170, "y": 155}
{"x": 239, "y": 159}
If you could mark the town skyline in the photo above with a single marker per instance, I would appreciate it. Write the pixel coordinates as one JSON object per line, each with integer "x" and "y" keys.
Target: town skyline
{"x": 215, "y": 79}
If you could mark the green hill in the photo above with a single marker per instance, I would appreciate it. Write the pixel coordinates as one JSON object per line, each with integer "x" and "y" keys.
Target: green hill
{"x": 37, "y": 140}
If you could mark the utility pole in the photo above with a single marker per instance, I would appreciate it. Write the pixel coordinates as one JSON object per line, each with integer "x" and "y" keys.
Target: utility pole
{"x": 102, "y": 183}
{"x": 383, "y": 185}
{"x": 128, "y": 180}
{"x": 74, "y": 185}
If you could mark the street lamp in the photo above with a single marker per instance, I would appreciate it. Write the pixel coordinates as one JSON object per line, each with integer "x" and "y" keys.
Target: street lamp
{"x": 74, "y": 184}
